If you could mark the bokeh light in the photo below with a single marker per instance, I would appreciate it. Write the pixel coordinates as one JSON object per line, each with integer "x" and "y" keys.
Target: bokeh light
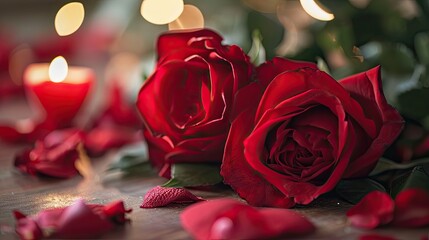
{"x": 191, "y": 17}
{"x": 314, "y": 10}
{"x": 69, "y": 18}
{"x": 161, "y": 11}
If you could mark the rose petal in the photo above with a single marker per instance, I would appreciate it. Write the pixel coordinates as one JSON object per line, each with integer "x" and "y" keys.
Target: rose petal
{"x": 54, "y": 156}
{"x": 231, "y": 219}
{"x": 116, "y": 212}
{"x": 28, "y": 229}
{"x": 174, "y": 40}
{"x": 375, "y": 209}
{"x": 101, "y": 139}
{"x": 240, "y": 180}
{"x": 79, "y": 220}
{"x": 366, "y": 89}
{"x": 118, "y": 110}
{"x": 412, "y": 208}
{"x": 162, "y": 196}
{"x": 270, "y": 69}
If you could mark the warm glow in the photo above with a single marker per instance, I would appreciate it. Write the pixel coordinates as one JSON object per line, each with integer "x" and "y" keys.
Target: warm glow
{"x": 69, "y": 18}
{"x": 191, "y": 17}
{"x": 314, "y": 10}
{"x": 161, "y": 11}
{"x": 58, "y": 69}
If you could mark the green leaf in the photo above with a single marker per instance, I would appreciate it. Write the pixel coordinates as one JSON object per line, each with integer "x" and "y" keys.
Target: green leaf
{"x": 421, "y": 42}
{"x": 417, "y": 178}
{"x": 131, "y": 159}
{"x": 270, "y": 28}
{"x": 193, "y": 175}
{"x": 397, "y": 59}
{"x": 413, "y": 103}
{"x": 257, "y": 51}
{"x": 354, "y": 190}
{"x": 384, "y": 165}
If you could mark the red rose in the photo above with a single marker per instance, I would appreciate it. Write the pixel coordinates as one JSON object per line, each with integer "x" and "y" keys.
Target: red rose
{"x": 186, "y": 103}
{"x": 307, "y": 133}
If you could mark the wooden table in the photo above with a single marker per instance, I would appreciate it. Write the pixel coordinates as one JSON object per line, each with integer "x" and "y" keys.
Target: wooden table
{"x": 31, "y": 194}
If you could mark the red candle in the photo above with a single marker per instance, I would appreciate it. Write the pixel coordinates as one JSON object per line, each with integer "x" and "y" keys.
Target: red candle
{"x": 59, "y": 90}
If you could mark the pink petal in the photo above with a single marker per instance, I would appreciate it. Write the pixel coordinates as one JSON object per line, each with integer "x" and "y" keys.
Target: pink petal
{"x": 412, "y": 208}
{"x": 375, "y": 209}
{"x": 28, "y": 229}
{"x": 162, "y": 196}
{"x": 231, "y": 219}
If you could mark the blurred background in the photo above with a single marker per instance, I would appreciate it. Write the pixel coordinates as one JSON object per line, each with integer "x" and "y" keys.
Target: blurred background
{"x": 117, "y": 39}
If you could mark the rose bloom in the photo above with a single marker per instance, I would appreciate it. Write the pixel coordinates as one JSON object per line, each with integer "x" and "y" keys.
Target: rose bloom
{"x": 306, "y": 133}
{"x": 186, "y": 103}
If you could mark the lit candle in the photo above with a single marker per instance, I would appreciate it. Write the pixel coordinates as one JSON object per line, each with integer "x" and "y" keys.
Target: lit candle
{"x": 60, "y": 90}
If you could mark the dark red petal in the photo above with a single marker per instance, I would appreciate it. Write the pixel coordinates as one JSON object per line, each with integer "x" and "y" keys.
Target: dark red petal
{"x": 241, "y": 180}
{"x": 174, "y": 40}
{"x": 412, "y": 208}
{"x": 231, "y": 219}
{"x": 79, "y": 221}
{"x": 116, "y": 212}
{"x": 366, "y": 89}
{"x": 270, "y": 69}
{"x": 375, "y": 209}
{"x": 55, "y": 156}
{"x": 163, "y": 196}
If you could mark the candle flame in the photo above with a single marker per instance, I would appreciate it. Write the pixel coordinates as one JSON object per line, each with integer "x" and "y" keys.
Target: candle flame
{"x": 58, "y": 69}
{"x": 69, "y": 18}
{"x": 314, "y": 10}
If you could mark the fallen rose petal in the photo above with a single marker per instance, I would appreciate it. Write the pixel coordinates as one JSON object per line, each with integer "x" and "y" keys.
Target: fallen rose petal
{"x": 118, "y": 110}
{"x": 231, "y": 219}
{"x": 28, "y": 229}
{"x": 412, "y": 208}
{"x": 54, "y": 156}
{"x": 79, "y": 220}
{"x": 162, "y": 196}
{"x": 116, "y": 212}
{"x": 374, "y": 236}
{"x": 375, "y": 209}
{"x": 104, "y": 138}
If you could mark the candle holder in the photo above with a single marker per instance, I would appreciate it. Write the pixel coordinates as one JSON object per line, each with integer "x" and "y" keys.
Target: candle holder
{"x": 58, "y": 99}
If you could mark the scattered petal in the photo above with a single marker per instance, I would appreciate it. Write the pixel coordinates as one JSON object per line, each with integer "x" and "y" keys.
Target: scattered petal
{"x": 79, "y": 220}
{"x": 53, "y": 156}
{"x": 116, "y": 211}
{"x": 231, "y": 219}
{"x": 375, "y": 209}
{"x": 104, "y": 138}
{"x": 162, "y": 196}
{"x": 412, "y": 208}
